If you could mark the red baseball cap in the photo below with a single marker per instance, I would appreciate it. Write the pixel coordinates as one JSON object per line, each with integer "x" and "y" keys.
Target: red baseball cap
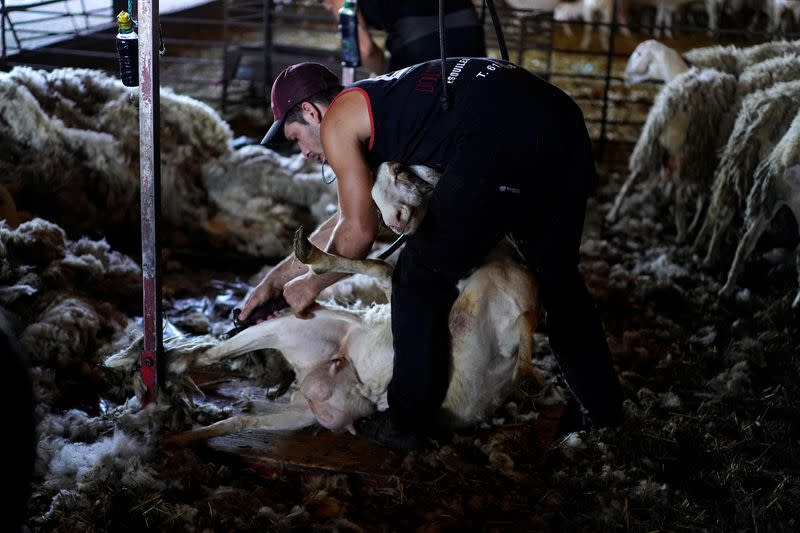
{"x": 293, "y": 85}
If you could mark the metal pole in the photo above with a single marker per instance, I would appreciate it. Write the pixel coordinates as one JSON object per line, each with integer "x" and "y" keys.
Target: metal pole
{"x": 3, "y": 34}
{"x": 267, "y": 49}
{"x": 150, "y": 169}
{"x": 609, "y": 64}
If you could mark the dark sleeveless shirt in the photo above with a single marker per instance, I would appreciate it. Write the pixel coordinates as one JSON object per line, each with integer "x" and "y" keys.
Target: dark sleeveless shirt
{"x": 412, "y": 31}
{"x": 502, "y": 120}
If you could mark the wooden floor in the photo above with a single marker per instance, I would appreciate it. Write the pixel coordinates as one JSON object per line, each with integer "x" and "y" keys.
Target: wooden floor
{"x": 316, "y": 451}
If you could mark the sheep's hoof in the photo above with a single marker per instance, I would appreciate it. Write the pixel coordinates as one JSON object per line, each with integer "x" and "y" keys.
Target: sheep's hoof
{"x": 302, "y": 246}
{"x": 726, "y": 291}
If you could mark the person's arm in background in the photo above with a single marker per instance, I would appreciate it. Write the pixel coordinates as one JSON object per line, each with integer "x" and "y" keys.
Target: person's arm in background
{"x": 372, "y": 55}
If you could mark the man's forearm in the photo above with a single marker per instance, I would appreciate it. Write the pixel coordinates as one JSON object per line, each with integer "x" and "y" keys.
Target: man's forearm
{"x": 289, "y": 268}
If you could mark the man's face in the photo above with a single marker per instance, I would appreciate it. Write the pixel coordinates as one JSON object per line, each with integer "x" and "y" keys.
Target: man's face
{"x": 307, "y": 138}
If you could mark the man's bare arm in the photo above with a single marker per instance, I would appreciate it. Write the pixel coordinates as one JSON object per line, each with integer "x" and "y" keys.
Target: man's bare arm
{"x": 288, "y": 269}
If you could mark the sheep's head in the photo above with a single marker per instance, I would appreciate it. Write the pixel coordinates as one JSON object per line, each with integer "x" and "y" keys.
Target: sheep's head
{"x": 401, "y": 193}
{"x": 652, "y": 60}
{"x": 331, "y": 391}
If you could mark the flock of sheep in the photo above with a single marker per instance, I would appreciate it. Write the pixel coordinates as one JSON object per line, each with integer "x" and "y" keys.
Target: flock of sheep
{"x": 724, "y": 130}
{"x": 782, "y": 16}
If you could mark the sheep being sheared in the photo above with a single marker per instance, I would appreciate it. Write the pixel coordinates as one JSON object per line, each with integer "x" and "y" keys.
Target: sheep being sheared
{"x": 763, "y": 118}
{"x": 652, "y": 60}
{"x": 679, "y": 136}
{"x": 776, "y": 184}
{"x": 342, "y": 359}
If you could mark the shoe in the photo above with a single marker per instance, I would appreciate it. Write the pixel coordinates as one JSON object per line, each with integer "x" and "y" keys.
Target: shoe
{"x": 573, "y": 418}
{"x": 378, "y": 428}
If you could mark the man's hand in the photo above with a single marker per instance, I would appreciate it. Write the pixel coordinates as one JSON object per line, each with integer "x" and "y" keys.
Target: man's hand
{"x": 301, "y": 293}
{"x": 264, "y": 292}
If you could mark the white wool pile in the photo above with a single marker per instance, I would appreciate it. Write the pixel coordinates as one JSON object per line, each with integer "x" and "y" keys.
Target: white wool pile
{"x": 661, "y": 267}
{"x": 261, "y": 197}
{"x": 64, "y": 333}
{"x": 734, "y": 381}
{"x": 77, "y": 469}
{"x": 75, "y": 131}
{"x": 64, "y": 294}
{"x": 36, "y": 242}
{"x": 93, "y": 265}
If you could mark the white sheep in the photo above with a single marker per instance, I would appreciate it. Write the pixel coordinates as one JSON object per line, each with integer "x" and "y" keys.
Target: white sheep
{"x": 590, "y": 12}
{"x": 652, "y": 60}
{"x": 763, "y": 118}
{"x": 779, "y": 13}
{"x": 679, "y": 137}
{"x": 756, "y": 77}
{"x": 776, "y": 184}
{"x": 343, "y": 359}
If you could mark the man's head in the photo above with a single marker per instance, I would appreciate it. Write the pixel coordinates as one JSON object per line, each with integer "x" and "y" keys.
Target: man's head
{"x": 299, "y": 95}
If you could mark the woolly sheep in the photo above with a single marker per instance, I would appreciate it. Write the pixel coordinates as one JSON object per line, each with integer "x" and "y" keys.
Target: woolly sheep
{"x": 758, "y": 76}
{"x": 343, "y": 360}
{"x": 762, "y": 120}
{"x": 652, "y": 60}
{"x": 776, "y": 184}
{"x": 682, "y": 128}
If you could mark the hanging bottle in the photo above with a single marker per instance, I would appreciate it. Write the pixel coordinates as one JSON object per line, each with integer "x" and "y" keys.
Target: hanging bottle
{"x": 348, "y": 29}
{"x": 128, "y": 50}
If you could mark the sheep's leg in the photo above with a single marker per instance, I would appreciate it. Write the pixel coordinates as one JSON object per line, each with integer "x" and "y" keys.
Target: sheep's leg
{"x": 296, "y": 415}
{"x": 622, "y": 18}
{"x": 796, "y": 302}
{"x": 755, "y": 228}
{"x": 705, "y": 230}
{"x": 605, "y": 29}
{"x": 774, "y": 19}
{"x": 612, "y": 214}
{"x": 681, "y": 200}
{"x": 588, "y": 29}
{"x": 791, "y": 179}
{"x": 717, "y": 232}
{"x": 659, "y": 21}
{"x": 713, "y": 22}
{"x": 524, "y": 370}
{"x": 697, "y": 214}
{"x": 303, "y": 342}
{"x": 668, "y": 23}
{"x": 321, "y": 262}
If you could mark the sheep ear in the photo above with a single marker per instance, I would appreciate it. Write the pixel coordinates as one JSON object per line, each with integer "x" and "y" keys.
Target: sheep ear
{"x": 426, "y": 174}
{"x": 399, "y": 168}
{"x": 336, "y": 365}
{"x": 792, "y": 176}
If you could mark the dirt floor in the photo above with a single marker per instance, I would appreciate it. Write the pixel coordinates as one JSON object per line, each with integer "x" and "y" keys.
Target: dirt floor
{"x": 709, "y": 441}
